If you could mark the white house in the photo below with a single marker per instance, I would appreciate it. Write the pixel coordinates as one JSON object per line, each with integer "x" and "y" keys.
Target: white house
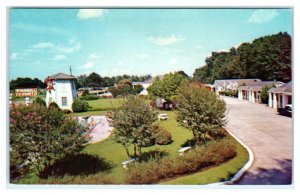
{"x": 61, "y": 89}
{"x": 146, "y": 84}
{"x": 233, "y": 84}
{"x": 281, "y": 96}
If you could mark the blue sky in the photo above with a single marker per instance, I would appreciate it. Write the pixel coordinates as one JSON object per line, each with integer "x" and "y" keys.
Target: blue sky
{"x": 112, "y": 42}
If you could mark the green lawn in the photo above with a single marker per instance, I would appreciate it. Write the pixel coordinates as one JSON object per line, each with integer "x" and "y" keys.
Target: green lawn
{"x": 115, "y": 153}
{"x": 104, "y": 104}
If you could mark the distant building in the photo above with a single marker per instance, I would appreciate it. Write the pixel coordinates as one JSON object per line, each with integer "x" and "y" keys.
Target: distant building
{"x": 281, "y": 96}
{"x": 61, "y": 89}
{"x": 146, "y": 84}
{"x": 252, "y": 92}
{"x": 233, "y": 84}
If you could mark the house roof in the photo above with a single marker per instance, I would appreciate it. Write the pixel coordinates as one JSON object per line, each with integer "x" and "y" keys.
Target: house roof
{"x": 287, "y": 88}
{"x": 62, "y": 76}
{"x": 247, "y": 82}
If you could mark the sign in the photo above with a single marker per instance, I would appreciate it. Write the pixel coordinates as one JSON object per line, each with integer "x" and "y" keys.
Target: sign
{"x": 26, "y": 92}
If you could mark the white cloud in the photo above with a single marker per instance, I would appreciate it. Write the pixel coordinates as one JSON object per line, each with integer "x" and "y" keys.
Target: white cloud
{"x": 14, "y": 56}
{"x": 59, "y": 57}
{"x": 43, "y": 45}
{"x": 166, "y": 41}
{"x": 263, "y": 15}
{"x": 84, "y": 14}
{"x": 74, "y": 46}
{"x": 88, "y": 65}
{"x": 143, "y": 55}
{"x": 93, "y": 56}
{"x": 173, "y": 61}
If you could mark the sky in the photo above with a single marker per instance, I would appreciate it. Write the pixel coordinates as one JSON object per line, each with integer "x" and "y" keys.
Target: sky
{"x": 112, "y": 42}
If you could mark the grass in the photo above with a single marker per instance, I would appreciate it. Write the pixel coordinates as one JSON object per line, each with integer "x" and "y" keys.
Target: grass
{"x": 104, "y": 104}
{"x": 114, "y": 153}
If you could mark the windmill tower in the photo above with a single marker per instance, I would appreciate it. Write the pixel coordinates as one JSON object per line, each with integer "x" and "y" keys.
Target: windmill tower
{"x": 61, "y": 89}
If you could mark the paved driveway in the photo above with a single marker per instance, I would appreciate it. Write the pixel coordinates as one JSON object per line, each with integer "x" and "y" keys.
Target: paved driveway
{"x": 268, "y": 135}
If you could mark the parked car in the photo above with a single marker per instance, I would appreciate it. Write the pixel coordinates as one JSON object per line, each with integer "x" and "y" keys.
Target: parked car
{"x": 286, "y": 111}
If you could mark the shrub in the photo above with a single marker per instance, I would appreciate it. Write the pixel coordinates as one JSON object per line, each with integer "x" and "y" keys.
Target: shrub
{"x": 53, "y": 106}
{"x": 80, "y": 106}
{"x": 39, "y": 136}
{"x": 199, "y": 158}
{"x": 67, "y": 111}
{"x": 229, "y": 93}
{"x": 88, "y": 97}
{"x": 161, "y": 135}
{"x": 39, "y": 101}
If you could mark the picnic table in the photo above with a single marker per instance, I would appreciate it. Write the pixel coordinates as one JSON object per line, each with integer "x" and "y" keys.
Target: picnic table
{"x": 163, "y": 117}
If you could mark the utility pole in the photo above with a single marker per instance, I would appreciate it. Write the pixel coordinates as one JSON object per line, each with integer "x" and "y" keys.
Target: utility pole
{"x": 71, "y": 71}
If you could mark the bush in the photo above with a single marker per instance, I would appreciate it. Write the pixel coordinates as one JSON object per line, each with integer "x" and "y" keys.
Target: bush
{"x": 39, "y": 101}
{"x": 161, "y": 136}
{"x": 88, "y": 97}
{"x": 53, "y": 106}
{"x": 229, "y": 93}
{"x": 67, "y": 111}
{"x": 39, "y": 136}
{"x": 80, "y": 106}
{"x": 213, "y": 154}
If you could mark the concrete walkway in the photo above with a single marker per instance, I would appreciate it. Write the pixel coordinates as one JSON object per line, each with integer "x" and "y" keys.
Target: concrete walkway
{"x": 101, "y": 129}
{"x": 268, "y": 135}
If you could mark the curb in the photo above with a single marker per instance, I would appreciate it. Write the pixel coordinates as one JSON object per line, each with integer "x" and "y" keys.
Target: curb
{"x": 241, "y": 172}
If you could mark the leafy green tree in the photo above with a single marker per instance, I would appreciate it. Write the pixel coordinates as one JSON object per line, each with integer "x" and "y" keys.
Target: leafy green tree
{"x": 137, "y": 89}
{"x": 200, "y": 110}
{"x": 167, "y": 87}
{"x": 264, "y": 95}
{"x": 133, "y": 125}
{"x": 26, "y": 83}
{"x": 266, "y": 58}
{"x": 39, "y": 101}
{"x": 39, "y": 136}
{"x": 94, "y": 80}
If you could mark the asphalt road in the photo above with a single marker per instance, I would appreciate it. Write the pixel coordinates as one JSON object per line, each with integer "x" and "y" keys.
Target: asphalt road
{"x": 268, "y": 135}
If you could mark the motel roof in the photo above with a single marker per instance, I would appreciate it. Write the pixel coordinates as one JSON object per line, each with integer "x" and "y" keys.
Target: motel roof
{"x": 287, "y": 88}
{"x": 62, "y": 76}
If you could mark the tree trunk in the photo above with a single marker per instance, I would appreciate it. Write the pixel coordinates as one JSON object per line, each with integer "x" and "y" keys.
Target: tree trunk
{"x": 127, "y": 151}
{"x": 134, "y": 148}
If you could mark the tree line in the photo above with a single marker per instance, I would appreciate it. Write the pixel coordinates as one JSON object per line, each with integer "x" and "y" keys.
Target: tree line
{"x": 266, "y": 58}
{"x": 95, "y": 80}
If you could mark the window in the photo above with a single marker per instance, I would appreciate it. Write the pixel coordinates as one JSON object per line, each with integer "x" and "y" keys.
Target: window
{"x": 64, "y": 101}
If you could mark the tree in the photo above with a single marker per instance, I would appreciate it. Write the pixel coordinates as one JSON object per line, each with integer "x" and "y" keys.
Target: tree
{"x": 39, "y": 136}
{"x": 167, "y": 87}
{"x": 264, "y": 95}
{"x": 200, "y": 110}
{"x": 266, "y": 58}
{"x": 94, "y": 80}
{"x": 133, "y": 124}
{"x": 26, "y": 83}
